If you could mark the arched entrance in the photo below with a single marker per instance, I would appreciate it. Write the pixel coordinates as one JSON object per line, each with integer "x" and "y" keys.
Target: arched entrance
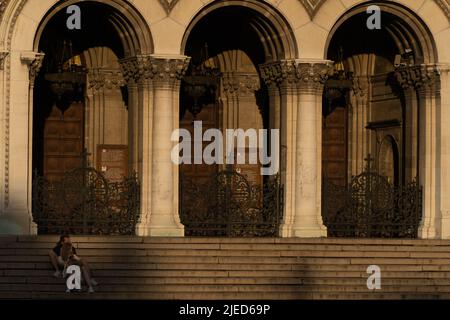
{"x": 84, "y": 123}
{"x": 223, "y": 90}
{"x": 371, "y": 110}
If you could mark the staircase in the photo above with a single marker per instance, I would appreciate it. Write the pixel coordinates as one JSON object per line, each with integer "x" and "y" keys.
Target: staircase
{"x": 222, "y": 268}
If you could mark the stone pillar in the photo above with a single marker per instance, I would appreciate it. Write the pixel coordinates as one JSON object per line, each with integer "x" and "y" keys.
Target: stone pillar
{"x": 17, "y": 217}
{"x": 158, "y": 84}
{"x": 360, "y": 142}
{"x": 443, "y": 117}
{"x": 425, "y": 79}
{"x": 106, "y": 120}
{"x": 301, "y": 84}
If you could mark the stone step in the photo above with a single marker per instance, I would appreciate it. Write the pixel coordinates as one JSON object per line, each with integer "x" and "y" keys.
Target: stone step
{"x": 237, "y": 268}
{"x": 226, "y": 296}
{"x": 206, "y": 240}
{"x": 234, "y": 253}
{"x": 236, "y": 246}
{"x": 171, "y": 288}
{"x": 234, "y": 281}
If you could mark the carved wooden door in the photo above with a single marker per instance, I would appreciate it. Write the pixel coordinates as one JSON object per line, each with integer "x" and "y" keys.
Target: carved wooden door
{"x": 63, "y": 141}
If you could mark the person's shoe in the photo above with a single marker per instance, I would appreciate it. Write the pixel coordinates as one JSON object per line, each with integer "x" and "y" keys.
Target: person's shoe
{"x": 57, "y": 274}
{"x": 91, "y": 290}
{"x": 94, "y": 283}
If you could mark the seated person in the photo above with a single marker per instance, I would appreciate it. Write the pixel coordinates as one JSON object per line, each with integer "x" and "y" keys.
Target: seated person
{"x": 64, "y": 255}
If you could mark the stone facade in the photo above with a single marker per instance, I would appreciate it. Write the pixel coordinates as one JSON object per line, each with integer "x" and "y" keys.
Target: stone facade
{"x": 293, "y": 65}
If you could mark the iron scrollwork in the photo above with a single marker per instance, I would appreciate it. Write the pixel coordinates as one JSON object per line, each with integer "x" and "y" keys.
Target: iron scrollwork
{"x": 371, "y": 207}
{"x": 85, "y": 202}
{"x": 230, "y": 206}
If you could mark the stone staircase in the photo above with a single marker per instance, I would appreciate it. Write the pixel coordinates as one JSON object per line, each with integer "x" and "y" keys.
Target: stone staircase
{"x": 222, "y": 268}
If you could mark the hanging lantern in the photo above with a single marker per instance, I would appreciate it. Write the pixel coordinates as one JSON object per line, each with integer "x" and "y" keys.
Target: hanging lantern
{"x": 68, "y": 82}
{"x": 200, "y": 86}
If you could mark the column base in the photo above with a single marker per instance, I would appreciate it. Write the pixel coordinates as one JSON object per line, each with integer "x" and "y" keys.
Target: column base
{"x": 146, "y": 230}
{"x": 427, "y": 232}
{"x": 303, "y": 232}
{"x": 17, "y": 223}
{"x": 444, "y": 229}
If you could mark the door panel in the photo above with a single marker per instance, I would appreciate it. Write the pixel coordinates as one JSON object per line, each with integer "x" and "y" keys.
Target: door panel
{"x": 63, "y": 141}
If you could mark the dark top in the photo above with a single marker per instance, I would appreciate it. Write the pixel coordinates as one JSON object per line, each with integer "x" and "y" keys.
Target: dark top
{"x": 57, "y": 249}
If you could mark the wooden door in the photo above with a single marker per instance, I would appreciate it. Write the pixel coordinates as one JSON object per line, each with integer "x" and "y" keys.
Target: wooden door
{"x": 63, "y": 141}
{"x": 200, "y": 173}
{"x": 335, "y": 146}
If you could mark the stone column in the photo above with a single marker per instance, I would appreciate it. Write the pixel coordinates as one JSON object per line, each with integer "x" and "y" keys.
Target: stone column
{"x": 158, "y": 84}
{"x": 443, "y": 118}
{"x": 301, "y": 84}
{"x": 18, "y": 217}
{"x": 360, "y": 141}
{"x": 425, "y": 79}
{"x": 106, "y": 114}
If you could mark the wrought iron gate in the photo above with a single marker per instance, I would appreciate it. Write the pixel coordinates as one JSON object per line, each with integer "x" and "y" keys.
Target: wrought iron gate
{"x": 85, "y": 202}
{"x": 229, "y": 206}
{"x": 370, "y": 207}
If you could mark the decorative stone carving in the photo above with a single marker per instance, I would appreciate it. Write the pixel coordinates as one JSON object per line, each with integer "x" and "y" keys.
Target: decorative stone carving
{"x": 168, "y": 5}
{"x": 312, "y": 6}
{"x": 445, "y": 7}
{"x": 3, "y": 4}
{"x": 159, "y": 69}
{"x": 360, "y": 85}
{"x": 417, "y": 77}
{"x": 34, "y": 61}
{"x": 3, "y": 55}
{"x": 108, "y": 79}
{"x": 308, "y": 76}
{"x": 241, "y": 84}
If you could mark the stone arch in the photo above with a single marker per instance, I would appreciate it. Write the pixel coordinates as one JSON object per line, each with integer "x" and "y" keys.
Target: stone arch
{"x": 271, "y": 26}
{"x": 132, "y": 28}
{"x": 406, "y": 28}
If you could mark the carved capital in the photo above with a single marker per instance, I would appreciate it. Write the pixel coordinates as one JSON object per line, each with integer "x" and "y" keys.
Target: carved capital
{"x": 3, "y": 55}
{"x": 307, "y": 76}
{"x": 107, "y": 79}
{"x": 361, "y": 86}
{"x": 34, "y": 62}
{"x": 240, "y": 84}
{"x": 168, "y": 71}
{"x": 159, "y": 69}
{"x": 418, "y": 77}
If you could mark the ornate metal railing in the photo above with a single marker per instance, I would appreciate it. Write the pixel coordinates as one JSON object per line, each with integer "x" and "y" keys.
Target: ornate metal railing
{"x": 229, "y": 206}
{"x": 370, "y": 207}
{"x": 85, "y": 202}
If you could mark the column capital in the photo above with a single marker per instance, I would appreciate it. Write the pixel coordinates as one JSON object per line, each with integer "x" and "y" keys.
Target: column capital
{"x": 163, "y": 69}
{"x": 421, "y": 77}
{"x": 361, "y": 85}
{"x": 34, "y": 62}
{"x": 307, "y": 75}
{"x": 3, "y": 55}
{"x": 109, "y": 79}
{"x": 240, "y": 84}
